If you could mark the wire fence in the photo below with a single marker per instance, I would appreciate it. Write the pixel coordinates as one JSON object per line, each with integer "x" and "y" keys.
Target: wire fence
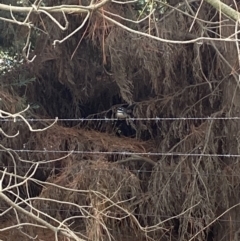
{"x": 116, "y": 119}
{"x": 123, "y": 153}
{"x": 128, "y": 153}
{"x": 145, "y": 215}
{"x": 172, "y": 173}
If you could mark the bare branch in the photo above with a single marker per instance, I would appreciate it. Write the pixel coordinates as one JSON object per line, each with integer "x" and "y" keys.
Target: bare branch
{"x": 127, "y": 2}
{"x": 4, "y": 114}
{"x": 165, "y": 40}
{"x": 72, "y": 33}
{"x": 130, "y": 20}
{"x": 27, "y": 46}
{"x": 68, "y": 9}
{"x": 39, "y": 220}
{"x": 17, "y": 22}
{"x": 55, "y": 21}
{"x": 8, "y": 136}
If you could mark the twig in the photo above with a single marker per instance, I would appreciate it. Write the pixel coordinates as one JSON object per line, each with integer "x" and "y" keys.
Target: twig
{"x": 36, "y": 218}
{"x": 127, "y": 2}
{"x": 229, "y": 209}
{"x": 19, "y": 114}
{"x": 8, "y": 136}
{"x": 130, "y": 20}
{"x": 165, "y": 40}
{"x": 17, "y": 22}
{"x": 68, "y": 9}
{"x": 195, "y": 16}
{"x": 26, "y": 19}
{"x": 55, "y": 21}
{"x": 28, "y": 46}
{"x": 72, "y": 33}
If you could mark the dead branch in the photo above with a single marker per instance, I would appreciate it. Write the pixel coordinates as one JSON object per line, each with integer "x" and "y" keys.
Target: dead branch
{"x": 6, "y": 115}
{"x": 68, "y": 9}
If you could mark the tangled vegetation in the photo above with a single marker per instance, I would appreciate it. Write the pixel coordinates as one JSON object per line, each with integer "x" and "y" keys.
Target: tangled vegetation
{"x": 171, "y": 172}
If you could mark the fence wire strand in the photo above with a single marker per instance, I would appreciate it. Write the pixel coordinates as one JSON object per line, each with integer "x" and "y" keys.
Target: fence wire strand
{"x": 116, "y": 119}
{"x": 124, "y": 153}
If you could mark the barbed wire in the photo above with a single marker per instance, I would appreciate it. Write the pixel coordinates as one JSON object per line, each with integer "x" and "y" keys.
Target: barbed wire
{"x": 140, "y": 214}
{"x": 208, "y": 174}
{"x": 125, "y": 153}
{"x": 116, "y": 119}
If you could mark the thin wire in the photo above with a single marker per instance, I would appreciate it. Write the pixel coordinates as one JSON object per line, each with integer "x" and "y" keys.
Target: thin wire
{"x": 137, "y": 214}
{"x": 218, "y": 174}
{"x": 132, "y": 119}
{"x": 126, "y": 153}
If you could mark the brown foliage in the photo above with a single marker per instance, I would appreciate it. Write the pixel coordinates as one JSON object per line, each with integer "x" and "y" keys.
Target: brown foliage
{"x": 104, "y": 66}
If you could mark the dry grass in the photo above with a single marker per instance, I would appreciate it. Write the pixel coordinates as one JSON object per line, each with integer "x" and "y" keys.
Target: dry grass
{"x": 162, "y": 80}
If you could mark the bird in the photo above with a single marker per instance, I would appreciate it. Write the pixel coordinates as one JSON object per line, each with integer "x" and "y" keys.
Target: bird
{"x": 124, "y": 125}
{"x": 123, "y": 113}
